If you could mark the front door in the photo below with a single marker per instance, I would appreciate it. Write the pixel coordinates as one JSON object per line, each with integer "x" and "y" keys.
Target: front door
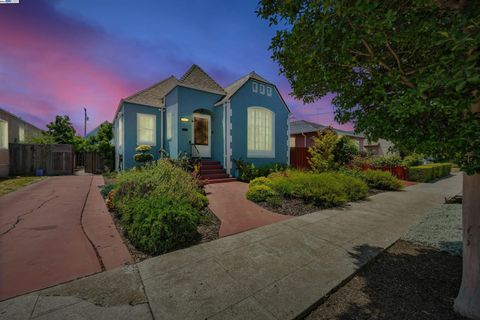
{"x": 201, "y": 136}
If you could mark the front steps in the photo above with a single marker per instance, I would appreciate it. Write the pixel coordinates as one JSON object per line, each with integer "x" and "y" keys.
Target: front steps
{"x": 211, "y": 171}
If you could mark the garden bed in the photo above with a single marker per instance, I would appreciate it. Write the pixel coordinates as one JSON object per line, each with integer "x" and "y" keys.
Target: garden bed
{"x": 159, "y": 208}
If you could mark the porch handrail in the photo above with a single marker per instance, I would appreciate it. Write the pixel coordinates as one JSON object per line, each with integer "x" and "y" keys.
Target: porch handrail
{"x": 198, "y": 152}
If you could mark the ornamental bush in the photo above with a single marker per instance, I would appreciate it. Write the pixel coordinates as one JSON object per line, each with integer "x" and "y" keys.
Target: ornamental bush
{"x": 414, "y": 159}
{"x": 382, "y": 180}
{"x": 143, "y": 154}
{"x": 260, "y": 181}
{"x": 159, "y": 206}
{"x": 260, "y": 193}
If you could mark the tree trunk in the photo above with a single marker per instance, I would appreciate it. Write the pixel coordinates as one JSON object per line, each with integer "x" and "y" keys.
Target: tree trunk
{"x": 468, "y": 300}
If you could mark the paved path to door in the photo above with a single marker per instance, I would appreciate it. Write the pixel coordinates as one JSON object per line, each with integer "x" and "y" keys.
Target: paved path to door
{"x": 277, "y": 271}
{"x": 54, "y": 231}
{"x": 237, "y": 214}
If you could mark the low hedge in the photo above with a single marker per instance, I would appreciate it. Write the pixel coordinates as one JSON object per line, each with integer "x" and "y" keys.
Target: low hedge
{"x": 429, "y": 172}
{"x": 382, "y": 180}
{"x": 325, "y": 190}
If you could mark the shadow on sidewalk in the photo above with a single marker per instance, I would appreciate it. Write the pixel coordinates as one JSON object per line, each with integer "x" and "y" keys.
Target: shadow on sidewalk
{"x": 406, "y": 281}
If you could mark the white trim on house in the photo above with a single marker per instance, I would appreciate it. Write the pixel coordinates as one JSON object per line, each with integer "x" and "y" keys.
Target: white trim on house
{"x": 262, "y": 89}
{"x": 3, "y": 134}
{"x": 228, "y": 164}
{"x": 254, "y": 86}
{"x": 255, "y": 153}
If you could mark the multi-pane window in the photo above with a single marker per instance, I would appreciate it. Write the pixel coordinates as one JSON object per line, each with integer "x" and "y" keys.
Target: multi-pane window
{"x": 169, "y": 125}
{"x": 3, "y": 134}
{"x": 21, "y": 133}
{"x": 262, "y": 89}
{"x": 146, "y": 129}
{"x": 261, "y": 132}
{"x": 269, "y": 91}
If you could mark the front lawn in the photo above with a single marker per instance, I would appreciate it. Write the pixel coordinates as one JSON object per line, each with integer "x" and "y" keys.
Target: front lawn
{"x": 160, "y": 208}
{"x": 13, "y": 183}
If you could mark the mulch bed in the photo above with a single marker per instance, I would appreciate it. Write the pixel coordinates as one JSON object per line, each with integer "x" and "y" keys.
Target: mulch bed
{"x": 405, "y": 282}
{"x": 297, "y": 207}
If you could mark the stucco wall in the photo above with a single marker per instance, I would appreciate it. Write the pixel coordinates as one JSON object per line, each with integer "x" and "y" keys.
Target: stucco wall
{"x": 240, "y": 102}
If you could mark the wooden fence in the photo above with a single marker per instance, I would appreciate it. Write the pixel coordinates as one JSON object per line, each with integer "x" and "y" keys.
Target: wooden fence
{"x": 52, "y": 159}
{"x": 93, "y": 163}
{"x": 299, "y": 158}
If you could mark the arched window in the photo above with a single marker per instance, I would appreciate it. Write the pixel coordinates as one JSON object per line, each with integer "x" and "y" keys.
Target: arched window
{"x": 261, "y": 133}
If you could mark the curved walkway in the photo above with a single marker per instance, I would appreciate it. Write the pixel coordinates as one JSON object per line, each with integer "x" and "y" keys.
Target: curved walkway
{"x": 229, "y": 203}
{"x": 54, "y": 231}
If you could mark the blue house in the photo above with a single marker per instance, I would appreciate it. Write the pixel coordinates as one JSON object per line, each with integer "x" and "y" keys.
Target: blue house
{"x": 194, "y": 115}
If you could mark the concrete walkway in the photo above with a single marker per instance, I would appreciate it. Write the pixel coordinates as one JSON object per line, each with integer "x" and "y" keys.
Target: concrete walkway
{"x": 54, "y": 231}
{"x": 237, "y": 214}
{"x": 277, "y": 271}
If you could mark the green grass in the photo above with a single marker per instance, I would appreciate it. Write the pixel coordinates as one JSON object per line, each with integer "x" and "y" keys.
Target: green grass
{"x": 10, "y": 184}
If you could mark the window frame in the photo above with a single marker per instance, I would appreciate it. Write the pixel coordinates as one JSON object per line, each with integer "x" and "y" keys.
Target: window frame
{"x": 254, "y": 153}
{"x": 254, "y": 87}
{"x": 21, "y": 133}
{"x": 262, "y": 89}
{"x": 154, "y": 129}
{"x": 169, "y": 124}
{"x": 4, "y": 135}
{"x": 269, "y": 91}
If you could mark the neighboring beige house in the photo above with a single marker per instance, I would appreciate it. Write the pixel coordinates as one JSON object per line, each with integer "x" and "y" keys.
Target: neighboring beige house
{"x": 12, "y": 130}
{"x": 302, "y": 133}
{"x": 379, "y": 148}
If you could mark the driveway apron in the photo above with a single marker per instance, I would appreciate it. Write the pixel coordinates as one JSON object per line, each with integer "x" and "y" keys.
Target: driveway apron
{"x": 42, "y": 239}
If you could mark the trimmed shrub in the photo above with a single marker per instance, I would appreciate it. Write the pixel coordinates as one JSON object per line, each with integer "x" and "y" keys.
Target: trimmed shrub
{"x": 429, "y": 172}
{"x": 159, "y": 224}
{"x": 260, "y": 193}
{"x": 260, "y": 181}
{"x": 377, "y": 179}
{"x": 326, "y": 189}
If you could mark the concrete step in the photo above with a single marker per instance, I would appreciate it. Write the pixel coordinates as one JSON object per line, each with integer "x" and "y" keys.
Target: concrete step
{"x": 212, "y": 171}
{"x": 214, "y": 176}
{"x": 210, "y": 181}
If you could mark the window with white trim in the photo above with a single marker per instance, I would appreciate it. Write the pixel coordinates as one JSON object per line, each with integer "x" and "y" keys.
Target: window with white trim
{"x": 261, "y": 133}
{"x": 269, "y": 91}
{"x": 3, "y": 134}
{"x": 146, "y": 129}
{"x": 169, "y": 124}
{"x": 262, "y": 89}
{"x": 292, "y": 142}
{"x": 21, "y": 133}
{"x": 254, "y": 87}
{"x": 120, "y": 132}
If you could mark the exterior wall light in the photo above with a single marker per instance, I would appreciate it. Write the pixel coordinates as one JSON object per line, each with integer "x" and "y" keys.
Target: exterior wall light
{"x": 184, "y": 119}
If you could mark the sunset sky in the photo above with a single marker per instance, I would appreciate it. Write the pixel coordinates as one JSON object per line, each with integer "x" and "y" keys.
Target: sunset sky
{"x": 58, "y": 56}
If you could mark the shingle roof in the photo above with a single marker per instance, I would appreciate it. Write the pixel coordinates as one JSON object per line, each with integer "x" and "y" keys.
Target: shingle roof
{"x": 153, "y": 95}
{"x": 196, "y": 78}
{"x": 234, "y": 87}
{"x": 303, "y": 126}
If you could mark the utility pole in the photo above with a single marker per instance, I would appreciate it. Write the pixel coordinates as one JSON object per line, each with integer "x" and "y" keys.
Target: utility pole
{"x": 85, "y": 122}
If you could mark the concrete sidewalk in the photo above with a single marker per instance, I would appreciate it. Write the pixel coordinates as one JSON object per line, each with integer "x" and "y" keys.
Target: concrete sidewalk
{"x": 277, "y": 271}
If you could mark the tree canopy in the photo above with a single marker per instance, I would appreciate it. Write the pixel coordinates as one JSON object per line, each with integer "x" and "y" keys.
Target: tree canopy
{"x": 62, "y": 130}
{"x": 407, "y": 71}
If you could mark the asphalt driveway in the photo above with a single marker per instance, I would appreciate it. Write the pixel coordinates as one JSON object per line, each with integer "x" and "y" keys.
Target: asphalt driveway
{"x": 54, "y": 231}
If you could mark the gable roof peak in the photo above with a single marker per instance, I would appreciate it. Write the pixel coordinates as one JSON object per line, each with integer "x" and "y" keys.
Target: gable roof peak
{"x": 153, "y": 95}
{"x": 197, "y": 78}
